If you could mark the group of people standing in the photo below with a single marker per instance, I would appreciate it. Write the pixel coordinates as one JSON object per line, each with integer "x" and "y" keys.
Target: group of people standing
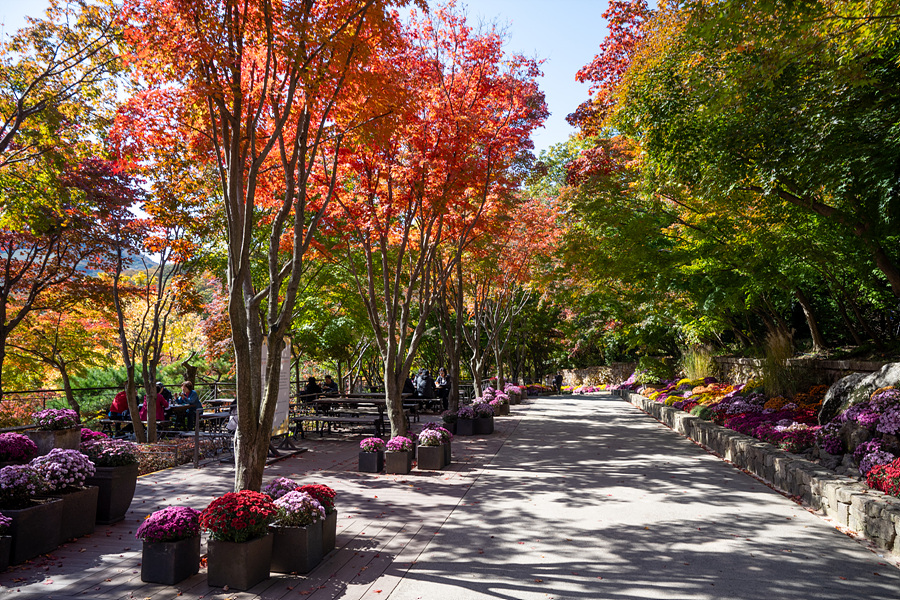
{"x": 165, "y": 404}
{"x": 423, "y": 387}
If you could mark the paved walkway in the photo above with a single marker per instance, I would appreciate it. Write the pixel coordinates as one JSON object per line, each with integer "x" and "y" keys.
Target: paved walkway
{"x": 573, "y": 497}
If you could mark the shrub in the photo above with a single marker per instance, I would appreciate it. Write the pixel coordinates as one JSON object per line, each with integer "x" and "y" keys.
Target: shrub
{"x": 18, "y": 485}
{"x": 170, "y": 524}
{"x": 702, "y": 411}
{"x": 238, "y": 516}
{"x": 55, "y": 418}
{"x": 399, "y": 444}
{"x": 15, "y": 447}
{"x": 110, "y": 453}
{"x": 90, "y": 434}
{"x": 61, "y": 469}
{"x": 279, "y": 486}
{"x": 324, "y": 494}
{"x": 885, "y": 478}
{"x": 430, "y": 437}
{"x": 652, "y": 370}
{"x": 298, "y": 509}
{"x": 372, "y": 444}
{"x": 465, "y": 412}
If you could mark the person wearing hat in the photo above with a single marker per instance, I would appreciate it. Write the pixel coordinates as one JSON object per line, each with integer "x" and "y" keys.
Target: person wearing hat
{"x": 161, "y": 389}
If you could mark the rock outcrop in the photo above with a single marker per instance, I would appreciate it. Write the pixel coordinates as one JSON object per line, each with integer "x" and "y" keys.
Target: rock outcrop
{"x": 855, "y": 388}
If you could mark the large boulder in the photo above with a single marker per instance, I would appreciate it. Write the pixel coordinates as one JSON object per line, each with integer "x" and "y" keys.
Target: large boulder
{"x": 855, "y": 388}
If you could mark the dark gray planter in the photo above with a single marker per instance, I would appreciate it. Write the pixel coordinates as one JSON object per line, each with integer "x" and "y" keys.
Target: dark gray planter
{"x": 239, "y": 565}
{"x": 398, "y": 463}
{"x": 484, "y": 425}
{"x": 48, "y": 439}
{"x": 5, "y": 547}
{"x": 117, "y": 486}
{"x": 465, "y": 427}
{"x": 448, "y": 457}
{"x": 503, "y": 410}
{"x": 371, "y": 462}
{"x": 431, "y": 458}
{"x": 451, "y": 427}
{"x": 296, "y": 549}
{"x": 329, "y": 532}
{"x": 170, "y": 562}
{"x": 34, "y": 530}
{"x": 79, "y": 512}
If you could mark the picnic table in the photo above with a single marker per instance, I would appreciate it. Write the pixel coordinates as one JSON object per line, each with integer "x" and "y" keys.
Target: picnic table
{"x": 326, "y": 412}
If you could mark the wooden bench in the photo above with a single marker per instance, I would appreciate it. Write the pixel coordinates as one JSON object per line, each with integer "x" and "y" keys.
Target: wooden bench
{"x": 114, "y": 426}
{"x": 324, "y": 421}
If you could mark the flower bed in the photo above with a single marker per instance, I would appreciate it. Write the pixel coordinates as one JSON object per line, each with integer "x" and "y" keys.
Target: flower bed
{"x": 863, "y": 436}
{"x": 850, "y": 502}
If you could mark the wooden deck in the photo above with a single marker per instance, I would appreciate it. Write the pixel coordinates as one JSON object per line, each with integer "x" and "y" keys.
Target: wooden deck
{"x": 384, "y": 523}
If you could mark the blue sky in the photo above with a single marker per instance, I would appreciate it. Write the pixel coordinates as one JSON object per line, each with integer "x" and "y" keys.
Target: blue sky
{"x": 565, "y": 33}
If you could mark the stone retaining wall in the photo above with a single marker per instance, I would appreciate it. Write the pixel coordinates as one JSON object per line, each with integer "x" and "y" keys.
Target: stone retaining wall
{"x": 741, "y": 370}
{"x": 615, "y": 373}
{"x": 849, "y": 502}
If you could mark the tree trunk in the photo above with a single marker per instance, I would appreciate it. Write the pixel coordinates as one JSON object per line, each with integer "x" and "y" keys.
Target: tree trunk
{"x": 876, "y": 339}
{"x": 190, "y": 371}
{"x": 394, "y": 378}
{"x": 67, "y": 386}
{"x": 131, "y": 395}
{"x": 819, "y": 342}
{"x": 857, "y": 339}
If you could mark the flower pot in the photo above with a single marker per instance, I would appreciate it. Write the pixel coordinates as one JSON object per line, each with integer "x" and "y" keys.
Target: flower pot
{"x": 371, "y": 462}
{"x": 48, "y": 439}
{"x": 35, "y": 529}
{"x": 398, "y": 463}
{"x": 451, "y": 427}
{"x": 117, "y": 486}
{"x": 239, "y": 565}
{"x": 431, "y": 458}
{"x": 5, "y": 547}
{"x": 79, "y": 512}
{"x": 504, "y": 409}
{"x": 448, "y": 458}
{"x": 483, "y": 426}
{"x": 170, "y": 562}
{"x": 329, "y": 532}
{"x": 465, "y": 427}
{"x": 296, "y": 549}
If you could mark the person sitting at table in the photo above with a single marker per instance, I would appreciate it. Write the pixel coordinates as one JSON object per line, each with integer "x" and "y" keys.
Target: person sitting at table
{"x": 161, "y": 389}
{"x": 329, "y": 386}
{"x": 311, "y": 390}
{"x": 161, "y": 406}
{"x": 189, "y": 397}
{"x": 119, "y": 408}
{"x": 442, "y": 387}
{"x": 425, "y": 386}
{"x": 409, "y": 387}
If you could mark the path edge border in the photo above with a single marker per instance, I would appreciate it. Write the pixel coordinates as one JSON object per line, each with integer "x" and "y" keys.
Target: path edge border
{"x": 870, "y": 513}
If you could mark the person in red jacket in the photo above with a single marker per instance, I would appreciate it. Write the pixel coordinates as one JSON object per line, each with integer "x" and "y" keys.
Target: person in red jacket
{"x": 119, "y": 408}
{"x": 161, "y": 406}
